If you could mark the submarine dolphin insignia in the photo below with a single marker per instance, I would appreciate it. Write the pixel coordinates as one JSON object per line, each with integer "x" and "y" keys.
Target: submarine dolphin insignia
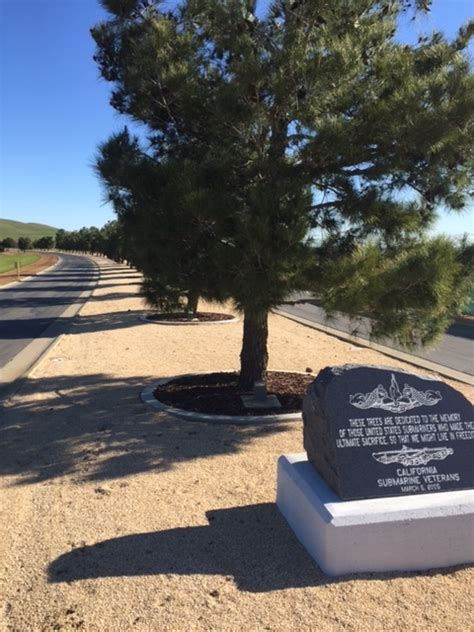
{"x": 394, "y": 400}
{"x": 413, "y": 456}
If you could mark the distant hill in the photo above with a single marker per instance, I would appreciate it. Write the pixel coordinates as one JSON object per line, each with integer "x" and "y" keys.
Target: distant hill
{"x": 11, "y": 228}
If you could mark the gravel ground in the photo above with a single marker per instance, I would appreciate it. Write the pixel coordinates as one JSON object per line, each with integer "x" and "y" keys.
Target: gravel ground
{"x": 116, "y": 517}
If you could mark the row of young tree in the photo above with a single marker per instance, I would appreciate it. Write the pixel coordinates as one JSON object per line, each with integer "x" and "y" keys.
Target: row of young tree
{"x": 110, "y": 241}
{"x": 26, "y": 243}
{"x": 307, "y": 149}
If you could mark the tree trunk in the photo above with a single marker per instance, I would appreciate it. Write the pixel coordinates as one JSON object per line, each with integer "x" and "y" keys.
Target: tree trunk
{"x": 254, "y": 354}
{"x": 192, "y": 304}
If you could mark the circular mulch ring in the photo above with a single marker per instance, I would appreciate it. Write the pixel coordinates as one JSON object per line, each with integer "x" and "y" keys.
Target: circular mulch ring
{"x": 200, "y": 318}
{"x": 216, "y": 397}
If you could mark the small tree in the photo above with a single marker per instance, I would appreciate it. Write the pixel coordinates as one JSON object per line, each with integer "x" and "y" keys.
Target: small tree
{"x": 25, "y": 243}
{"x": 60, "y": 239}
{"x": 316, "y": 122}
{"x": 8, "y": 242}
{"x": 113, "y": 240}
{"x": 44, "y": 243}
{"x": 167, "y": 215}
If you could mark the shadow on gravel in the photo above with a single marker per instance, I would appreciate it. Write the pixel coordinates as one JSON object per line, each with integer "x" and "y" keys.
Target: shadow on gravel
{"x": 9, "y": 329}
{"x": 116, "y": 296}
{"x": 34, "y": 284}
{"x": 229, "y": 546}
{"x": 120, "y": 275}
{"x": 35, "y": 301}
{"x": 71, "y": 275}
{"x": 96, "y": 428}
{"x": 253, "y": 544}
{"x": 67, "y": 288}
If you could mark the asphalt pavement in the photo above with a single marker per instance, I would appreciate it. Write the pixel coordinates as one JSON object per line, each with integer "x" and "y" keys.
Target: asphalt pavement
{"x": 29, "y": 309}
{"x": 455, "y": 350}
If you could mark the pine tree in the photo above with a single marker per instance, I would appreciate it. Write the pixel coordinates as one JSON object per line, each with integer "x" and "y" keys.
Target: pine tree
{"x": 168, "y": 218}
{"x": 331, "y": 144}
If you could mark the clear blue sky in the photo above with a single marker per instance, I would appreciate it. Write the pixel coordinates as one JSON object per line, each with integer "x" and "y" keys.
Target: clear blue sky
{"x": 54, "y": 110}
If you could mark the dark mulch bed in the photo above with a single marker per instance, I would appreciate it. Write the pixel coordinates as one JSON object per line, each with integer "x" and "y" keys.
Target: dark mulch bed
{"x": 218, "y": 394}
{"x": 202, "y": 317}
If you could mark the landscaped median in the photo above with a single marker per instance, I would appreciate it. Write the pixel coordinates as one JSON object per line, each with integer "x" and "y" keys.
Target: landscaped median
{"x": 29, "y": 263}
{"x": 128, "y": 518}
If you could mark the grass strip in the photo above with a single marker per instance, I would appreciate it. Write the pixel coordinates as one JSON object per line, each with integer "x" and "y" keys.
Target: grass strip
{"x": 8, "y": 262}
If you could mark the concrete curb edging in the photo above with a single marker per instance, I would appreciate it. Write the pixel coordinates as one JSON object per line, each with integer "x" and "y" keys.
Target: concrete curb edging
{"x": 234, "y": 319}
{"x": 388, "y": 351}
{"x": 147, "y": 396}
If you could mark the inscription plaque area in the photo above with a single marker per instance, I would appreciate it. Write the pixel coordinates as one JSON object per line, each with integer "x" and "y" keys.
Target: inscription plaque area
{"x": 376, "y": 431}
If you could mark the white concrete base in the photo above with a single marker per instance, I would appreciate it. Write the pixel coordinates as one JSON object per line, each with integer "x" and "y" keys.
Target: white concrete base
{"x": 402, "y": 533}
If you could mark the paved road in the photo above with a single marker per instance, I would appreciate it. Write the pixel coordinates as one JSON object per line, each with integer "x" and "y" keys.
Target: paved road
{"x": 455, "y": 349}
{"x": 27, "y": 309}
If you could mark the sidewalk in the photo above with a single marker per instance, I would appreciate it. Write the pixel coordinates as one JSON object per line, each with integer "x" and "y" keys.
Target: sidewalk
{"x": 118, "y": 518}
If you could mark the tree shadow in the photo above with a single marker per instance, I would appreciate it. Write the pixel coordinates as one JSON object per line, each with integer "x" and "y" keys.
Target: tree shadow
{"x": 461, "y": 330}
{"x": 230, "y": 545}
{"x": 119, "y": 268}
{"x": 120, "y": 275}
{"x": 252, "y": 543}
{"x": 68, "y": 288}
{"x": 68, "y": 274}
{"x": 107, "y": 285}
{"x": 35, "y": 281}
{"x": 10, "y": 330}
{"x": 55, "y": 289}
{"x": 116, "y": 296}
{"x": 34, "y": 301}
{"x": 39, "y": 301}
{"x": 95, "y": 427}
{"x": 108, "y": 321}
{"x": 67, "y": 270}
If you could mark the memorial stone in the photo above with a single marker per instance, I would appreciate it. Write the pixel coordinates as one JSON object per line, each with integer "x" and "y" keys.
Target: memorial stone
{"x": 375, "y": 431}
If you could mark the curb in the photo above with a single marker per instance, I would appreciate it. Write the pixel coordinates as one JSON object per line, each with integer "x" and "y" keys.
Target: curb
{"x": 16, "y": 375}
{"x": 234, "y": 319}
{"x": 444, "y": 371}
{"x": 147, "y": 396}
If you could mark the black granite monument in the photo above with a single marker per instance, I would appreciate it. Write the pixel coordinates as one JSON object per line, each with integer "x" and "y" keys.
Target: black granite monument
{"x": 376, "y": 431}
